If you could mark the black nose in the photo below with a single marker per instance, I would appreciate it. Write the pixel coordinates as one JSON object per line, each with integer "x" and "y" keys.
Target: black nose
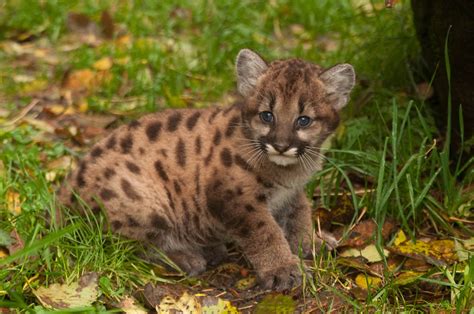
{"x": 281, "y": 148}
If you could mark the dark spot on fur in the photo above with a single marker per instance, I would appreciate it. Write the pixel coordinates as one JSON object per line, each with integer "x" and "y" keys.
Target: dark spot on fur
{"x": 185, "y": 208}
{"x": 159, "y": 222}
{"x": 163, "y": 152}
{"x": 239, "y": 191}
{"x": 263, "y": 182}
{"x": 170, "y": 198}
{"x": 226, "y": 157}
{"x": 249, "y": 208}
{"x": 109, "y": 173}
{"x": 173, "y": 121}
{"x": 196, "y": 220}
{"x": 151, "y": 235}
{"x": 107, "y": 194}
{"x": 132, "y": 222}
{"x": 233, "y": 123}
{"x": 111, "y": 142}
{"x": 177, "y": 187}
{"x": 192, "y": 120}
{"x": 208, "y": 158}
{"x": 217, "y": 137}
{"x": 153, "y": 130}
{"x": 261, "y": 198}
{"x": 95, "y": 209}
{"x": 229, "y": 195}
{"x": 180, "y": 153}
{"x": 198, "y": 180}
{"x": 291, "y": 216}
{"x": 239, "y": 161}
{"x": 141, "y": 150}
{"x": 260, "y": 224}
{"x": 134, "y": 124}
{"x": 116, "y": 224}
{"x": 126, "y": 144}
{"x": 197, "y": 145}
{"x": 80, "y": 179}
{"x": 128, "y": 189}
{"x": 97, "y": 152}
{"x": 132, "y": 167}
{"x": 161, "y": 171}
{"x": 244, "y": 232}
{"x": 213, "y": 115}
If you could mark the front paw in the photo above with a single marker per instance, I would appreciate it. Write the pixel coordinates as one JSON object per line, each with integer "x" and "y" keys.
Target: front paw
{"x": 281, "y": 278}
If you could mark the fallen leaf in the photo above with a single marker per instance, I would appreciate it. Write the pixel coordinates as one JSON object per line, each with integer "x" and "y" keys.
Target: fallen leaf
{"x": 464, "y": 248}
{"x": 407, "y": 277}
{"x": 246, "y": 283}
{"x": 79, "y": 80}
{"x": 424, "y": 91}
{"x": 212, "y": 305}
{"x": 436, "y": 252}
{"x": 5, "y": 238}
{"x": 103, "y": 64}
{"x": 186, "y": 303}
{"x": 13, "y": 202}
{"x": 364, "y": 233}
{"x": 17, "y": 244}
{"x": 367, "y": 282}
{"x": 129, "y": 306}
{"x": 276, "y": 303}
{"x": 370, "y": 253}
{"x": 77, "y": 294}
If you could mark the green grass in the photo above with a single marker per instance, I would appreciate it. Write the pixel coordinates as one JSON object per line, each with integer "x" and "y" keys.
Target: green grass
{"x": 182, "y": 55}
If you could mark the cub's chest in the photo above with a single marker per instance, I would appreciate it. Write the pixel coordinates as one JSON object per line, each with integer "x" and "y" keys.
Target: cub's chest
{"x": 281, "y": 197}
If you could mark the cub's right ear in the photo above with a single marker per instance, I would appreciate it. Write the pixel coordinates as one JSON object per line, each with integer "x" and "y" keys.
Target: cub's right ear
{"x": 249, "y": 67}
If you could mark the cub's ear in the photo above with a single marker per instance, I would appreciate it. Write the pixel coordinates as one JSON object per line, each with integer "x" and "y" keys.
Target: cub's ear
{"x": 249, "y": 66}
{"x": 339, "y": 81}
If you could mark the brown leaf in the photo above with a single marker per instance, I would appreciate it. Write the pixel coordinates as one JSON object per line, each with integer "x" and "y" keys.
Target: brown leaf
{"x": 17, "y": 244}
{"x": 364, "y": 233}
{"x": 424, "y": 91}
{"x": 107, "y": 25}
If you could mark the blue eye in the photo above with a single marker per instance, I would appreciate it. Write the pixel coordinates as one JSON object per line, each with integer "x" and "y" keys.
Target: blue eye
{"x": 266, "y": 116}
{"x": 303, "y": 121}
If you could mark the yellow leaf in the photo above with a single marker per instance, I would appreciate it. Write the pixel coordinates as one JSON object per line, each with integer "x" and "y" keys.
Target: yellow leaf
{"x": 13, "y": 202}
{"x": 187, "y": 304}
{"x": 34, "y": 86}
{"x": 407, "y": 277}
{"x": 77, "y": 294}
{"x": 370, "y": 253}
{"x": 3, "y": 253}
{"x": 366, "y": 281}
{"x": 122, "y": 61}
{"x": 437, "y": 252}
{"x": 400, "y": 238}
{"x": 83, "y": 106}
{"x": 103, "y": 64}
{"x": 246, "y": 283}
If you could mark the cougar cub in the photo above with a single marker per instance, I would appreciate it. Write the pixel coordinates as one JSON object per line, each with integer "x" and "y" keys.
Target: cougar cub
{"x": 188, "y": 180}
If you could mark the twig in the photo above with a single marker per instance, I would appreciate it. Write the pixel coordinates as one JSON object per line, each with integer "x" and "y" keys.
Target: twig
{"x": 22, "y": 113}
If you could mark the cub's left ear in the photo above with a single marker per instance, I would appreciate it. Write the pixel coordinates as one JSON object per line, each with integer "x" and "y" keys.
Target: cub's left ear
{"x": 339, "y": 81}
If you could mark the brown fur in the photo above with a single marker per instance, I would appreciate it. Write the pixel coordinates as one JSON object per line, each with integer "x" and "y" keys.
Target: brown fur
{"x": 188, "y": 180}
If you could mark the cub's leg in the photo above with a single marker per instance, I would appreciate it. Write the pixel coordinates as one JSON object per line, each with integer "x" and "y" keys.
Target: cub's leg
{"x": 299, "y": 228}
{"x": 215, "y": 254}
{"x": 262, "y": 240}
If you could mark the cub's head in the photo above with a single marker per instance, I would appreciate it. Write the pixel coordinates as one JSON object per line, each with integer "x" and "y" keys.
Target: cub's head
{"x": 291, "y": 107}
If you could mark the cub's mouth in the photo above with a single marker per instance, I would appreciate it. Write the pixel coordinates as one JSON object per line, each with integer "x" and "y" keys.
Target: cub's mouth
{"x": 282, "y": 157}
